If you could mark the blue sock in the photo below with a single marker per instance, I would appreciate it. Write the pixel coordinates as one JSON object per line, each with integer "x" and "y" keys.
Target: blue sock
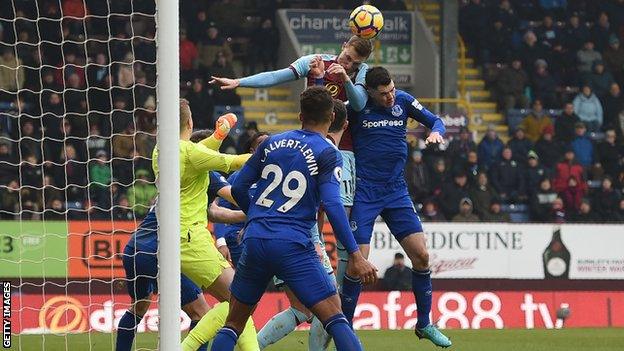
{"x": 126, "y": 331}
{"x": 204, "y": 347}
{"x": 344, "y": 337}
{"x": 351, "y": 289}
{"x": 225, "y": 340}
{"x": 421, "y": 286}
{"x": 280, "y": 326}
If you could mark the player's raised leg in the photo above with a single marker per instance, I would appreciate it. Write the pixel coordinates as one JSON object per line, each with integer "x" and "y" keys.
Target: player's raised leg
{"x": 283, "y": 323}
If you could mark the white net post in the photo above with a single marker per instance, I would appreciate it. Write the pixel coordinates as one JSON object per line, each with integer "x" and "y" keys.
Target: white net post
{"x": 168, "y": 92}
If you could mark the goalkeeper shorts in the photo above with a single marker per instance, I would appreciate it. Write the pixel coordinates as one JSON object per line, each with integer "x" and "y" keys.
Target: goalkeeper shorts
{"x": 199, "y": 258}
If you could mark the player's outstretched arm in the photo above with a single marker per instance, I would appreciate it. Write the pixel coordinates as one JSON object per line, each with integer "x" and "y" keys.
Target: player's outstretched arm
{"x": 260, "y": 80}
{"x": 222, "y": 128}
{"x": 218, "y": 214}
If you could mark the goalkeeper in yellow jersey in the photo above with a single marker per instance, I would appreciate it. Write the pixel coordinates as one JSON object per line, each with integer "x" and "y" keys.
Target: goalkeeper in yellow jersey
{"x": 199, "y": 258}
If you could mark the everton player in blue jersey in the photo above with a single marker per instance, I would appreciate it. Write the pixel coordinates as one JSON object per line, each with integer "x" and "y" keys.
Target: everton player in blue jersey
{"x": 141, "y": 265}
{"x": 380, "y": 147}
{"x": 294, "y": 172}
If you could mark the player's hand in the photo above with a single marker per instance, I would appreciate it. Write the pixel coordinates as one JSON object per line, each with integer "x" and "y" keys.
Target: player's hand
{"x": 225, "y": 83}
{"x": 224, "y": 124}
{"x": 319, "y": 251}
{"x": 317, "y": 67}
{"x": 338, "y": 70}
{"x": 434, "y": 138}
{"x": 358, "y": 266}
{"x": 225, "y": 252}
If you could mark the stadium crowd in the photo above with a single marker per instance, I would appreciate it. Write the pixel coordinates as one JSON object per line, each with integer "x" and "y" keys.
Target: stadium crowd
{"x": 77, "y": 110}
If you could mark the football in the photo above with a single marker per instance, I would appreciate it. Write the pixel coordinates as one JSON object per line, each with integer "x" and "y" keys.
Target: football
{"x": 366, "y": 21}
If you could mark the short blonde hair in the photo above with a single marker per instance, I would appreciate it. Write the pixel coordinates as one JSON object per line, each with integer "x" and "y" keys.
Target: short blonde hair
{"x": 185, "y": 113}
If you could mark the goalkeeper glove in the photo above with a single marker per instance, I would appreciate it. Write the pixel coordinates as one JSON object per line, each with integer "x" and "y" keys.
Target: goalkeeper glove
{"x": 224, "y": 124}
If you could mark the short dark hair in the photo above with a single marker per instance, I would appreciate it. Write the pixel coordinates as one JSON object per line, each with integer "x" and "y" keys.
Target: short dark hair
{"x": 340, "y": 116}
{"x": 316, "y": 105}
{"x": 398, "y": 255}
{"x": 377, "y": 76}
{"x": 252, "y": 143}
{"x": 363, "y": 47}
{"x": 200, "y": 135}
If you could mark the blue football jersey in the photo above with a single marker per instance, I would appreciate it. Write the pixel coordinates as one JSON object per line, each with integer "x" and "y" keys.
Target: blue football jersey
{"x": 145, "y": 237}
{"x": 379, "y": 137}
{"x": 222, "y": 230}
{"x": 293, "y": 172}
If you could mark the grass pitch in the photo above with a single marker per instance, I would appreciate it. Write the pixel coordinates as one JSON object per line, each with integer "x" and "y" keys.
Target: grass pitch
{"x": 611, "y": 339}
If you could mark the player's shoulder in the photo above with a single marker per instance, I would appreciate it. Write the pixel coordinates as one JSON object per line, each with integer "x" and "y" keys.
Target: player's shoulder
{"x": 405, "y": 99}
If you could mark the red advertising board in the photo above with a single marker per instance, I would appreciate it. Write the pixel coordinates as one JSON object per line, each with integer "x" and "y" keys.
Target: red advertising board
{"x": 376, "y": 310}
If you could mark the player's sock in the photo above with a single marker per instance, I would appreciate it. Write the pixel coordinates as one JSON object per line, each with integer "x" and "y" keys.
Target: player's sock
{"x": 225, "y": 340}
{"x": 343, "y": 257}
{"x": 279, "y": 326}
{"x": 344, "y": 337}
{"x": 207, "y": 327}
{"x": 421, "y": 286}
{"x": 351, "y": 289}
{"x": 126, "y": 331}
{"x": 319, "y": 338}
{"x": 248, "y": 340}
{"x": 204, "y": 347}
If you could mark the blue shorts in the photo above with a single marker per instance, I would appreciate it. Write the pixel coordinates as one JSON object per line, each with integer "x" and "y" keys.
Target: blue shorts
{"x": 392, "y": 202}
{"x": 141, "y": 273}
{"x": 236, "y": 248}
{"x": 295, "y": 263}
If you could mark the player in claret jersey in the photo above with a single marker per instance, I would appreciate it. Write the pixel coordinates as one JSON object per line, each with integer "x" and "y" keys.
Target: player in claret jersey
{"x": 294, "y": 172}
{"x": 379, "y": 139}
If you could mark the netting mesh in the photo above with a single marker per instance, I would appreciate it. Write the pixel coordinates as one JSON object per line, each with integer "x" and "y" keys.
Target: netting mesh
{"x": 77, "y": 128}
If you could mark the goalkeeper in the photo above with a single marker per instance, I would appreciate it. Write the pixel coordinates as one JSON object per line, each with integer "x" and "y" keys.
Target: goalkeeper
{"x": 200, "y": 260}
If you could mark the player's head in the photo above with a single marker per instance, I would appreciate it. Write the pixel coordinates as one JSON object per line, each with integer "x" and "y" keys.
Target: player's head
{"x": 186, "y": 119}
{"x": 255, "y": 140}
{"x": 354, "y": 53}
{"x": 317, "y": 107}
{"x": 340, "y": 117}
{"x": 201, "y": 134}
{"x": 380, "y": 86}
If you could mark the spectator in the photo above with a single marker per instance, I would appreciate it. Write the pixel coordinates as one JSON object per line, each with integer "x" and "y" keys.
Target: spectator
{"x": 586, "y": 57}
{"x": 97, "y": 73}
{"x": 472, "y": 168}
{"x": 553, "y": 6}
{"x": 608, "y": 153}
{"x": 100, "y": 177}
{"x": 576, "y": 33}
{"x": 506, "y": 15}
{"x": 535, "y": 122}
{"x": 465, "y": 212}
{"x": 510, "y": 85}
{"x": 458, "y": 148}
{"x": 223, "y": 68}
{"x": 11, "y": 72}
{"x": 10, "y": 200}
{"x": 430, "y": 212}
{"x": 229, "y": 15}
{"x": 547, "y": 149}
{"x": 531, "y": 50}
{"x": 31, "y": 172}
{"x": 547, "y": 33}
{"x": 251, "y": 128}
{"x": 73, "y": 176}
{"x": 588, "y": 108}
{"x": 142, "y": 193}
{"x": 209, "y": 46}
{"x": 601, "y": 31}
{"x": 417, "y": 177}
{"x": 562, "y": 64}
{"x": 572, "y": 195}
{"x": 202, "y": 105}
{"x": 557, "y": 212}
{"x": 188, "y": 56}
{"x": 534, "y": 173}
{"x": 585, "y": 214}
{"x": 125, "y": 71}
{"x": 265, "y": 41}
{"x": 507, "y": 178}
{"x": 606, "y": 200}
{"x": 95, "y": 141}
{"x": 482, "y": 194}
{"x": 123, "y": 210}
{"x": 495, "y": 214}
{"x": 490, "y": 148}
{"x": 54, "y": 210}
{"x": 198, "y": 26}
{"x": 614, "y": 59}
{"x": 30, "y": 140}
{"x": 398, "y": 277}
{"x": 452, "y": 193}
{"x": 544, "y": 84}
{"x": 564, "y": 125}
{"x": 613, "y": 105}
{"x": 583, "y": 146}
{"x": 542, "y": 201}
{"x": 619, "y": 213}
{"x": 8, "y": 167}
{"x": 473, "y": 26}
{"x": 600, "y": 80}
{"x": 439, "y": 176}
{"x": 498, "y": 43}
{"x": 520, "y": 146}
{"x": 566, "y": 168}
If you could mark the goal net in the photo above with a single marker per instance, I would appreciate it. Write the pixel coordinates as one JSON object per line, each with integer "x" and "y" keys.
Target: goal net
{"x": 77, "y": 129}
